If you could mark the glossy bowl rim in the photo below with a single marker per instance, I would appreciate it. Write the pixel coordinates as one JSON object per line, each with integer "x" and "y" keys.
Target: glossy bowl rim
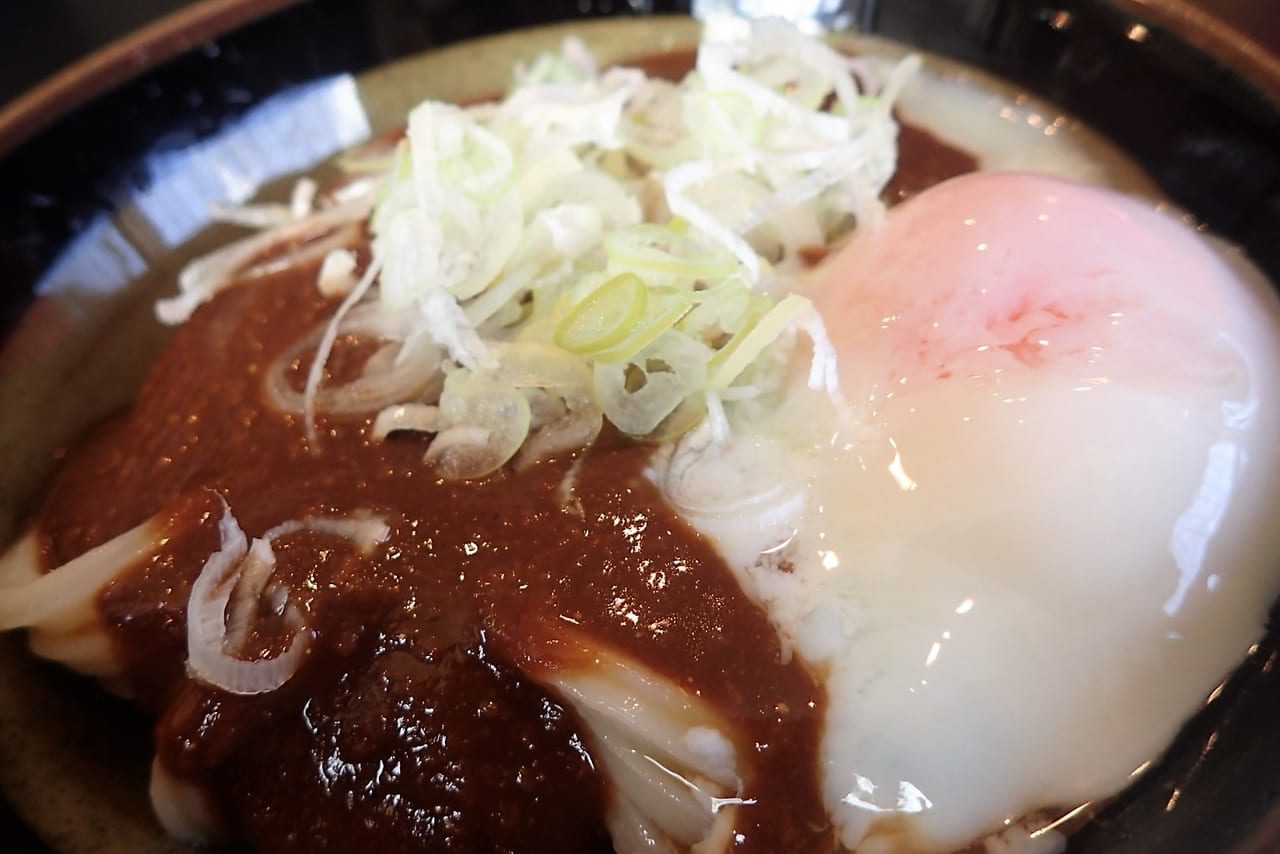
{"x": 122, "y": 60}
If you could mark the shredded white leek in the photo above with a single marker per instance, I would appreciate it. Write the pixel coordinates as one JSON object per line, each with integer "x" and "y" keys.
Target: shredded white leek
{"x": 228, "y": 588}
{"x": 546, "y": 219}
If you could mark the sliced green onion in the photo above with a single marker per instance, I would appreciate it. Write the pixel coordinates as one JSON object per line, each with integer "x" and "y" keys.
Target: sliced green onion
{"x": 650, "y": 248}
{"x": 724, "y": 308}
{"x": 664, "y": 311}
{"x": 564, "y": 414}
{"x": 743, "y": 348}
{"x": 482, "y": 425}
{"x": 639, "y": 394}
{"x": 605, "y": 318}
{"x": 527, "y": 364}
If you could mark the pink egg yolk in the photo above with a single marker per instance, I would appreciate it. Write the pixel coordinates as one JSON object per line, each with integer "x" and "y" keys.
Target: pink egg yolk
{"x": 992, "y": 272}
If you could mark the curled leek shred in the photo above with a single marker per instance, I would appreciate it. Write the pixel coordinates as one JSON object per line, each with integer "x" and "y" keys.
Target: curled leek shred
{"x": 466, "y": 155}
{"x": 743, "y": 348}
{"x": 774, "y": 231}
{"x": 681, "y": 183}
{"x": 500, "y": 294}
{"x": 406, "y": 417}
{"x": 482, "y": 426}
{"x": 412, "y": 244}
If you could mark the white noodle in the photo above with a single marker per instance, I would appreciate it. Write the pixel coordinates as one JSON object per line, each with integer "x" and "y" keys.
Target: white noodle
{"x": 184, "y": 810}
{"x": 664, "y": 750}
{"x": 64, "y": 598}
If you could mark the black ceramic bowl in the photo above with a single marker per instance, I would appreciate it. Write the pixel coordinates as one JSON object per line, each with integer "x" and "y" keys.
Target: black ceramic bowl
{"x": 1194, "y": 100}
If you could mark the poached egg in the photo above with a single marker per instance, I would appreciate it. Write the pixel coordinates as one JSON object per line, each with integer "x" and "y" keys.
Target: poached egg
{"x": 1035, "y": 532}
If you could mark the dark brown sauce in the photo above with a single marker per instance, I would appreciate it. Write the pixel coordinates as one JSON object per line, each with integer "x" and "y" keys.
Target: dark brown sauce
{"x": 924, "y": 160}
{"x": 411, "y": 723}
{"x": 417, "y": 721}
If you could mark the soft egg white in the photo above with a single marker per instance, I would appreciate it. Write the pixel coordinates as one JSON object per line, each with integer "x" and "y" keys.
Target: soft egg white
{"x": 1037, "y": 532}
{"x": 1009, "y": 130}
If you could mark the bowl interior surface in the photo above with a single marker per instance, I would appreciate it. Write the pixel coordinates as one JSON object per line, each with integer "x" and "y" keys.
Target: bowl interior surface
{"x": 101, "y": 210}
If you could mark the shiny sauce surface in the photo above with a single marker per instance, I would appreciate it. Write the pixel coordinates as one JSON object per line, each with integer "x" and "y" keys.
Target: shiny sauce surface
{"x": 412, "y": 722}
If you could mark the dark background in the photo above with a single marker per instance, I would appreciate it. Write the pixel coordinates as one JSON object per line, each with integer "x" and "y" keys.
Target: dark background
{"x": 38, "y": 37}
